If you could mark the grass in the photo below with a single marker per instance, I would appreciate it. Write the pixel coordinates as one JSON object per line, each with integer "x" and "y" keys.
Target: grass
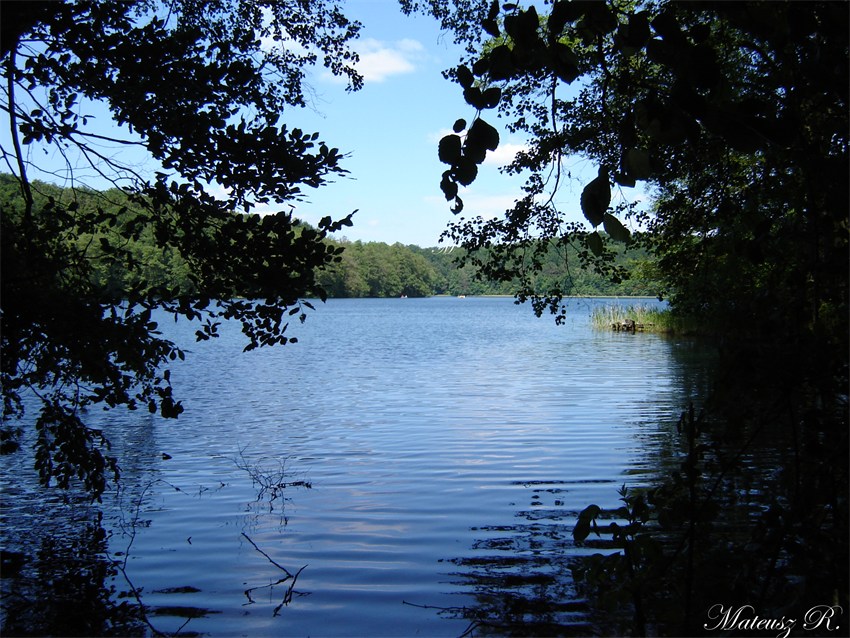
{"x": 652, "y": 319}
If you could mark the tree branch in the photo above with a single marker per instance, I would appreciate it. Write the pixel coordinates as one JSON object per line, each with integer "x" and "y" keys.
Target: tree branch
{"x": 13, "y": 130}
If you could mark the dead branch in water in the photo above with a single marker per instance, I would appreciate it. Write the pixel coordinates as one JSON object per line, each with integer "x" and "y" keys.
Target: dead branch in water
{"x": 287, "y": 597}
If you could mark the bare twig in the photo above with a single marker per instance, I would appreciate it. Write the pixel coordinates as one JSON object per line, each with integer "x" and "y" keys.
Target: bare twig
{"x": 269, "y": 558}
{"x": 287, "y": 597}
{"x": 121, "y": 566}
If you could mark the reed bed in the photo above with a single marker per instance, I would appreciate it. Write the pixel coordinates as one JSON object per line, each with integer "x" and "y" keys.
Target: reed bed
{"x": 652, "y": 319}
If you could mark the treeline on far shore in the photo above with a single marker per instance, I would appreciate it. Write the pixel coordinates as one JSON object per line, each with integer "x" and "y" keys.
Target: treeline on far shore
{"x": 381, "y": 270}
{"x": 367, "y": 269}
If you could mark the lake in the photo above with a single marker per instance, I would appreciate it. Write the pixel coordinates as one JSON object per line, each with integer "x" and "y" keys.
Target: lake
{"x": 420, "y": 461}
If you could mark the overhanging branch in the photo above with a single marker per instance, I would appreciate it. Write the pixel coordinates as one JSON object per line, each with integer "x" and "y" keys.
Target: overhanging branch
{"x": 13, "y": 131}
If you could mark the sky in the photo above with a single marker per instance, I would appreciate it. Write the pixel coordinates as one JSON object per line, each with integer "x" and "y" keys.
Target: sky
{"x": 388, "y": 132}
{"x": 391, "y": 128}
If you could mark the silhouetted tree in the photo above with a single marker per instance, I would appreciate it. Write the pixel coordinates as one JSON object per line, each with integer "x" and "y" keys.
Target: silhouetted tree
{"x": 201, "y": 89}
{"x": 734, "y": 114}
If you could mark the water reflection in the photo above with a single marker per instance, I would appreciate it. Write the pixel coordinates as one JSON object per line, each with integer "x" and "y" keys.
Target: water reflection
{"x": 59, "y": 579}
{"x": 746, "y": 509}
{"x": 521, "y": 575}
{"x": 447, "y": 425}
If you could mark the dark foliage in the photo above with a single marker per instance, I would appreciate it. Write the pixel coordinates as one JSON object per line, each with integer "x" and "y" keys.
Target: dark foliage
{"x": 198, "y": 92}
{"x": 735, "y": 116}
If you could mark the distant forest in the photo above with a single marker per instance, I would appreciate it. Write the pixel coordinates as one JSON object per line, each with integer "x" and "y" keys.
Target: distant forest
{"x": 369, "y": 269}
{"x": 382, "y": 270}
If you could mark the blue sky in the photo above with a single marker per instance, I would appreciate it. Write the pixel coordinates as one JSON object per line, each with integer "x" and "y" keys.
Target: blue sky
{"x": 391, "y": 128}
{"x": 389, "y": 131}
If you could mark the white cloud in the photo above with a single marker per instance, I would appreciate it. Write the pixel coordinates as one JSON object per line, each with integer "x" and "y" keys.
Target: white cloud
{"x": 504, "y": 154}
{"x": 381, "y": 60}
{"x": 436, "y": 137}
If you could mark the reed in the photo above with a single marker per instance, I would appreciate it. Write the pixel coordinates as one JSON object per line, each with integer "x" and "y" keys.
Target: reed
{"x": 652, "y": 319}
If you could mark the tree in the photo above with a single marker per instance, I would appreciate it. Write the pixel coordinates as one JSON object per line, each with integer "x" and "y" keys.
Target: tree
{"x": 201, "y": 88}
{"x": 733, "y": 114}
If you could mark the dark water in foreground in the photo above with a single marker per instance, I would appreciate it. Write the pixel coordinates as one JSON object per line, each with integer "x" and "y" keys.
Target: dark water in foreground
{"x": 437, "y": 453}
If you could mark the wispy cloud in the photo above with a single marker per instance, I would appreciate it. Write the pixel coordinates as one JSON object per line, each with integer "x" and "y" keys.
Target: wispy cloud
{"x": 487, "y": 206}
{"x": 381, "y": 60}
{"x": 504, "y": 154}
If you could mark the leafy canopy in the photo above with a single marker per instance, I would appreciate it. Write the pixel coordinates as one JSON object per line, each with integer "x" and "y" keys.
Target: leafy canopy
{"x": 201, "y": 89}
{"x": 734, "y": 116}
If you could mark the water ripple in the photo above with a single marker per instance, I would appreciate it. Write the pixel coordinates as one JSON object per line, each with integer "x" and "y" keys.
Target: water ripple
{"x": 448, "y": 446}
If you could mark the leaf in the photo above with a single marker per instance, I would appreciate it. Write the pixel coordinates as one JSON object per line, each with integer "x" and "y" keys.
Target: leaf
{"x": 523, "y": 27}
{"x": 638, "y": 29}
{"x": 667, "y": 27}
{"x": 615, "y": 229}
{"x": 487, "y": 99}
{"x": 600, "y": 19}
{"x": 501, "y": 63}
{"x": 449, "y": 149}
{"x": 565, "y": 62}
{"x": 490, "y": 23}
{"x": 481, "y": 66}
{"x": 459, "y": 125}
{"x": 490, "y": 98}
{"x": 624, "y": 180}
{"x": 472, "y": 95}
{"x": 458, "y": 206}
{"x": 562, "y": 12}
{"x": 481, "y": 133}
{"x": 594, "y": 243}
{"x": 448, "y": 186}
{"x": 595, "y": 198}
{"x": 474, "y": 151}
{"x": 465, "y": 171}
{"x": 491, "y": 27}
{"x": 464, "y": 76}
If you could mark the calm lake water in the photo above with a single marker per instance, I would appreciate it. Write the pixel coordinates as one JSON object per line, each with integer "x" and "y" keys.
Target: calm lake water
{"x": 438, "y": 451}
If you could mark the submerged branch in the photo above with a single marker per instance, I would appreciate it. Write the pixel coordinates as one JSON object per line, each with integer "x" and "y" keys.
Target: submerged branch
{"x": 269, "y": 558}
{"x": 287, "y": 597}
